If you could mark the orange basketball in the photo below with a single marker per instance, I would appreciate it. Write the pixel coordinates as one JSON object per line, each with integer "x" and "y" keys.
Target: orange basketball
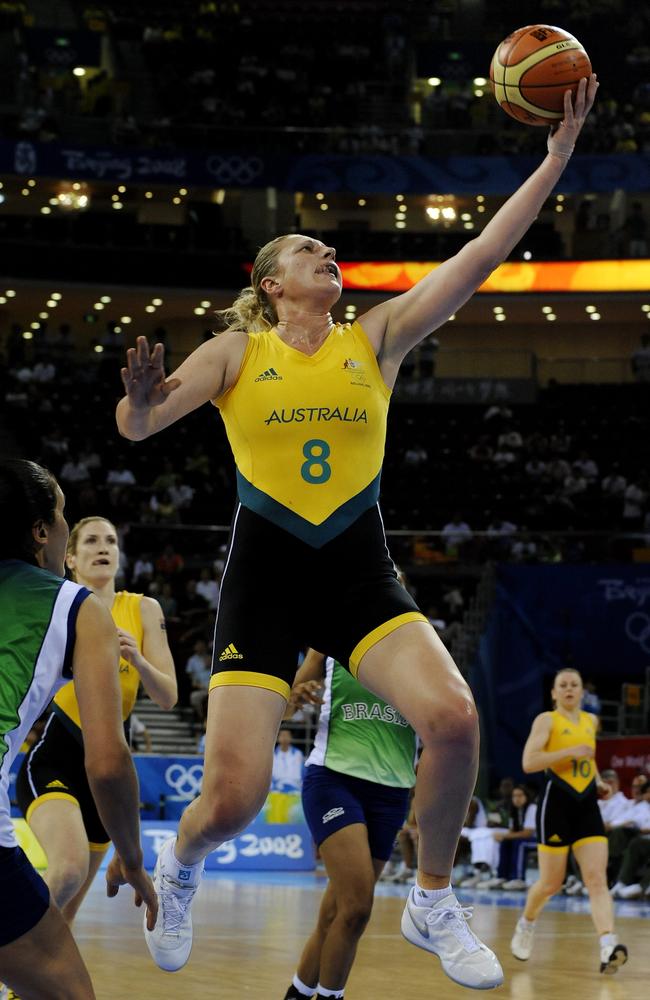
{"x": 531, "y": 70}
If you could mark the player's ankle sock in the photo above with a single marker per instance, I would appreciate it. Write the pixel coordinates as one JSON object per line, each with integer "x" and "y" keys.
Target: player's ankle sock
{"x": 299, "y": 990}
{"x": 608, "y": 940}
{"x": 323, "y": 992}
{"x": 429, "y": 897}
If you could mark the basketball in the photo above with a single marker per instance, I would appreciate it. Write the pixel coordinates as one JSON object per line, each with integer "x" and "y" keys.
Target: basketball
{"x": 531, "y": 70}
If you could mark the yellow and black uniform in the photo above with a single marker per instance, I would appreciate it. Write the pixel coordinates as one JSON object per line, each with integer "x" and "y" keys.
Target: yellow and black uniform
{"x": 54, "y": 768}
{"x": 568, "y": 814}
{"x": 307, "y": 544}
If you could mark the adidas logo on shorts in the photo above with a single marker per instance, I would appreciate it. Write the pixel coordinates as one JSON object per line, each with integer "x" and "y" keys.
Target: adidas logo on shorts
{"x": 231, "y": 653}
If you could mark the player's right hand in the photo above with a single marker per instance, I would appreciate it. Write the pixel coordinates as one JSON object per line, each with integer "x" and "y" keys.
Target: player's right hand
{"x": 144, "y": 377}
{"x": 118, "y": 874}
{"x": 306, "y": 693}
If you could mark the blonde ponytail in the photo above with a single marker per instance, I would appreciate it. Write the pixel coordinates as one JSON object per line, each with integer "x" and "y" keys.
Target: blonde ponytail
{"x": 252, "y": 311}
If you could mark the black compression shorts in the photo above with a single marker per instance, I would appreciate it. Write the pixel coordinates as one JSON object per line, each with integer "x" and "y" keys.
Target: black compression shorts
{"x": 279, "y": 595}
{"x": 564, "y": 820}
{"x": 54, "y": 769}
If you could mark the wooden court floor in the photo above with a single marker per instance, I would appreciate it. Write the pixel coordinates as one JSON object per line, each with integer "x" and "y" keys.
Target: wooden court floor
{"x": 248, "y": 935}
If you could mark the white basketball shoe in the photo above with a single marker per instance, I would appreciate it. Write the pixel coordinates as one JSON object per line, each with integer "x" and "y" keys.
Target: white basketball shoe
{"x": 521, "y": 945}
{"x": 170, "y": 942}
{"x": 443, "y": 930}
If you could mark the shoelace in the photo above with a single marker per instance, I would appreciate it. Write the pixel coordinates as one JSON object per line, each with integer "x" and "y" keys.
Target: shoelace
{"x": 173, "y": 907}
{"x": 455, "y": 918}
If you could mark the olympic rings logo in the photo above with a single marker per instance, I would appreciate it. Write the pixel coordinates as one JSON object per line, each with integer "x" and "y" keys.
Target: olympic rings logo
{"x": 637, "y": 628}
{"x": 186, "y": 781}
{"x": 235, "y": 169}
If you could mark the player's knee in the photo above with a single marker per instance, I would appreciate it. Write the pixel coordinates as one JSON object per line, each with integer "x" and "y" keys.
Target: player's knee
{"x": 66, "y": 879}
{"x": 550, "y": 886}
{"x": 453, "y": 719}
{"x": 225, "y": 815}
{"x": 355, "y": 914}
{"x": 594, "y": 879}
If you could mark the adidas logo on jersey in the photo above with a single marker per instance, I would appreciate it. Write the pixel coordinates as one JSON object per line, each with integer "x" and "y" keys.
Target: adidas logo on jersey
{"x": 230, "y": 653}
{"x": 270, "y": 375}
{"x": 55, "y": 784}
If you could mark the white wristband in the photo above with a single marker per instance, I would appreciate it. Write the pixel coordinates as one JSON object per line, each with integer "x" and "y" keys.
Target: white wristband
{"x": 556, "y": 148}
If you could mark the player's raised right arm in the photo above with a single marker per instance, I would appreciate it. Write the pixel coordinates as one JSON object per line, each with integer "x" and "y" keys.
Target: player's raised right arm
{"x": 152, "y": 401}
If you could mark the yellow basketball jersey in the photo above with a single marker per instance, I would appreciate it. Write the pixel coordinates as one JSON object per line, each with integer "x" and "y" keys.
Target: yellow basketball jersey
{"x": 308, "y": 433}
{"x": 126, "y": 615}
{"x": 573, "y": 774}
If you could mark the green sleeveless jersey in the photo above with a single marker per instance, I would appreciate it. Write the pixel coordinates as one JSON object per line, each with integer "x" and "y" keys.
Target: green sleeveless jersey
{"x": 361, "y": 735}
{"x": 37, "y": 630}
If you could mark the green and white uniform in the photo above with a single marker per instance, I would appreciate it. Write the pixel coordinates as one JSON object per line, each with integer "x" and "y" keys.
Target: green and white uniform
{"x": 361, "y": 735}
{"x": 38, "y": 612}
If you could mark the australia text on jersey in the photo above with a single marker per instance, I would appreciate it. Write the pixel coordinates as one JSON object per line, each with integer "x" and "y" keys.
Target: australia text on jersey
{"x": 314, "y": 414}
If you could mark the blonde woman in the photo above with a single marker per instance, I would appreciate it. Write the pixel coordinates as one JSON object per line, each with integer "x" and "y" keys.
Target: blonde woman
{"x": 562, "y": 743}
{"x": 51, "y": 788}
{"x": 305, "y": 402}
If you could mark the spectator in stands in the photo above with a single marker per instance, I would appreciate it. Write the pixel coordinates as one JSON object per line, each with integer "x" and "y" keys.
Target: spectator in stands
{"x": 74, "y": 471}
{"x": 635, "y": 499}
{"x": 511, "y": 873}
{"x": 140, "y": 735}
{"x": 499, "y": 535}
{"x": 509, "y": 439}
{"x": 613, "y": 487}
{"x": 119, "y": 475}
{"x": 640, "y": 360}
{"x": 169, "y": 562}
{"x": 633, "y": 876}
{"x": 208, "y": 588}
{"x": 614, "y": 808}
{"x": 143, "y": 571}
{"x": 626, "y": 825}
{"x": 484, "y": 852}
{"x": 456, "y": 534}
{"x": 524, "y": 547}
{"x": 535, "y": 469}
{"x": 590, "y": 700}
{"x": 482, "y": 451}
{"x": 415, "y": 456}
{"x": 288, "y": 764}
{"x": 198, "y": 669}
{"x": 586, "y": 467}
{"x": 166, "y": 599}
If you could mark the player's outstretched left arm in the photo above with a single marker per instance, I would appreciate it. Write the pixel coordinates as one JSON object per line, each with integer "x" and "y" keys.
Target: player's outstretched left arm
{"x": 396, "y": 326}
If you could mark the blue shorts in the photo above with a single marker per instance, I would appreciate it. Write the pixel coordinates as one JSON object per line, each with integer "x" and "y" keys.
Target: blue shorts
{"x": 332, "y": 800}
{"x": 25, "y": 896}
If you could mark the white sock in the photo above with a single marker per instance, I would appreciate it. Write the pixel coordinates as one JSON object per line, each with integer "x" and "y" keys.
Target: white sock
{"x": 190, "y": 874}
{"x": 324, "y": 992}
{"x": 307, "y": 991}
{"x": 428, "y": 897}
{"x": 608, "y": 940}
{"x": 526, "y": 924}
